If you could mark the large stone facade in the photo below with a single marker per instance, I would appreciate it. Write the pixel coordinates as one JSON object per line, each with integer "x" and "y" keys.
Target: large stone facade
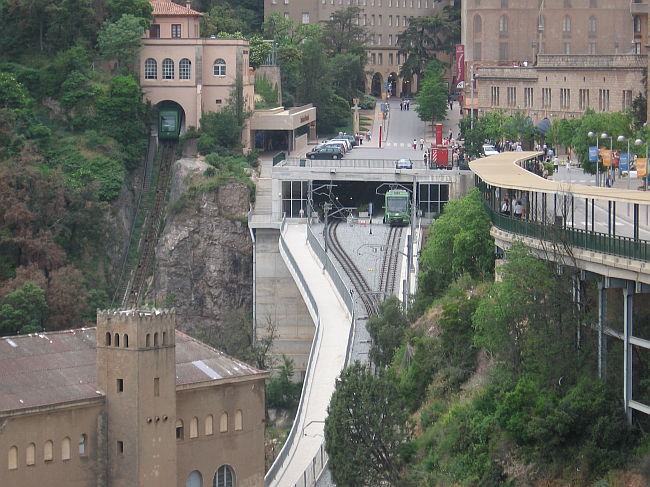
{"x": 132, "y": 402}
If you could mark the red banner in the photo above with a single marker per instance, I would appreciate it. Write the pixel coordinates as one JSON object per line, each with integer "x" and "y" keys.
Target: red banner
{"x": 460, "y": 66}
{"x": 438, "y": 134}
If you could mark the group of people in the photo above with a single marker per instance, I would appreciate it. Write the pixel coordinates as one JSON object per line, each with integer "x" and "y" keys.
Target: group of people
{"x": 405, "y": 104}
{"x": 360, "y": 135}
{"x": 518, "y": 207}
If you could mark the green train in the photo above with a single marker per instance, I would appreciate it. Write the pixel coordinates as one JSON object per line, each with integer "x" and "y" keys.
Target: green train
{"x": 398, "y": 207}
{"x": 169, "y": 125}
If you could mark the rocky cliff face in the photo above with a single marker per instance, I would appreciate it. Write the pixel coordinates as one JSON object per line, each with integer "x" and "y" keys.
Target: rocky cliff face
{"x": 203, "y": 263}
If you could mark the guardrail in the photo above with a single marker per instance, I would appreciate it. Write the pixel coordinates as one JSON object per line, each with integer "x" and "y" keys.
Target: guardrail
{"x": 348, "y": 163}
{"x": 279, "y": 157}
{"x": 594, "y": 241}
{"x": 312, "y": 473}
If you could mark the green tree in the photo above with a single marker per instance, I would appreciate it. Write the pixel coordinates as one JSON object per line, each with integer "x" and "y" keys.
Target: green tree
{"x": 458, "y": 242}
{"x": 432, "y": 99}
{"x": 259, "y": 50}
{"x": 13, "y": 94}
{"x": 221, "y": 18}
{"x": 365, "y": 430}
{"x": 343, "y": 32}
{"x": 281, "y": 391}
{"x": 387, "y": 331}
{"x": 23, "y": 311}
{"x": 122, "y": 39}
{"x": 142, "y": 9}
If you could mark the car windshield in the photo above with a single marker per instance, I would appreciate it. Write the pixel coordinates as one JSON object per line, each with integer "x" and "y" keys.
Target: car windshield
{"x": 396, "y": 204}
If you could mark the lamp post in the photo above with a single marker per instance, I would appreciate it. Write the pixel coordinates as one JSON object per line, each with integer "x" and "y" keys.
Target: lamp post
{"x": 591, "y": 134}
{"x": 645, "y": 178}
{"x": 622, "y": 138}
{"x": 611, "y": 147}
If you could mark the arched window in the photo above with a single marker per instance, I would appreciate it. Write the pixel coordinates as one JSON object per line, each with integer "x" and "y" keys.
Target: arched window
{"x": 164, "y": 338}
{"x": 541, "y": 23}
{"x": 180, "y": 432}
{"x": 503, "y": 24}
{"x": 155, "y": 339}
{"x": 150, "y": 69}
{"x": 224, "y": 477}
{"x": 126, "y": 340}
{"x": 478, "y": 24}
{"x": 108, "y": 339}
{"x": 637, "y": 24}
{"x": 147, "y": 340}
{"x": 117, "y": 340}
{"x": 29, "y": 454}
{"x": 65, "y": 449}
{"x": 194, "y": 427}
{"x": 48, "y": 454}
{"x": 208, "y": 425}
{"x": 566, "y": 24}
{"x": 12, "y": 458}
{"x": 592, "y": 24}
{"x": 223, "y": 423}
{"x": 185, "y": 69}
{"x": 194, "y": 479}
{"x": 83, "y": 440}
{"x": 220, "y": 67}
{"x": 238, "y": 420}
{"x": 167, "y": 69}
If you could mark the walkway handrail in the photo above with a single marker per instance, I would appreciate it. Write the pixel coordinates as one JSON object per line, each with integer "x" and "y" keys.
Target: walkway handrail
{"x": 282, "y": 456}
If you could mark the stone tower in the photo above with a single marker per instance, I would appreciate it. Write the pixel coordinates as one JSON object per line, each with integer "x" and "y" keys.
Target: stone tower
{"x": 136, "y": 370}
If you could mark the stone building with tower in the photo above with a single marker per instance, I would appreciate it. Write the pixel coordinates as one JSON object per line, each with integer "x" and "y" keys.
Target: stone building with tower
{"x": 130, "y": 402}
{"x": 554, "y": 59}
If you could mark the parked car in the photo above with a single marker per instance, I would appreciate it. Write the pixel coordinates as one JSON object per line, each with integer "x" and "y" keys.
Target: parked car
{"x": 331, "y": 152}
{"x": 489, "y": 150}
{"x": 335, "y": 143}
{"x": 350, "y": 137}
{"x": 404, "y": 164}
{"x": 345, "y": 140}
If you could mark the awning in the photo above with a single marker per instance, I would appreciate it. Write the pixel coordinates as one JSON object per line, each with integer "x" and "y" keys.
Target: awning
{"x": 543, "y": 126}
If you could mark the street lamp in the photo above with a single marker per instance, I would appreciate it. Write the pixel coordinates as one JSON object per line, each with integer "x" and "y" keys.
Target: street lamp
{"x": 611, "y": 147}
{"x": 622, "y": 138}
{"x": 591, "y": 134}
{"x": 645, "y": 178}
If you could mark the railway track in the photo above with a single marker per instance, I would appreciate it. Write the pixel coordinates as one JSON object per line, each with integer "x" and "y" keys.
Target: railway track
{"x": 390, "y": 264}
{"x": 359, "y": 282}
{"x": 146, "y": 246}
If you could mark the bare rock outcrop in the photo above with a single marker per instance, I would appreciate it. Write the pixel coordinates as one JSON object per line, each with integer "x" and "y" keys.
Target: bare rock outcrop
{"x": 203, "y": 264}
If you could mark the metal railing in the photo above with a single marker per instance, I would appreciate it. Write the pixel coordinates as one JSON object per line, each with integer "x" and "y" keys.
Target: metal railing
{"x": 594, "y": 241}
{"x": 279, "y": 157}
{"x": 312, "y": 473}
{"x": 349, "y": 162}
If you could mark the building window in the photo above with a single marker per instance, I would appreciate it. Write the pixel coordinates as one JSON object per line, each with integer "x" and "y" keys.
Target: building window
{"x": 372, "y": 20}
{"x": 567, "y": 3}
{"x": 404, "y": 21}
{"x": 504, "y": 3}
{"x": 511, "y": 96}
{"x": 29, "y": 453}
{"x": 636, "y": 48}
{"x": 185, "y": 70}
{"x": 373, "y": 58}
{"x": 117, "y": 340}
{"x": 379, "y": 19}
{"x": 164, "y": 333}
{"x": 219, "y": 67}
{"x": 224, "y": 477}
{"x": 120, "y": 385}
{"x": 503, "y": 51}
{"x": 583, "y": 99}
{"x": 194, "y": 479}
{"x": 592, "y": 26}
{"x": 380, "y": 59}
{"x": 390, "y": 20}
{"x": 397, "y": 21}
{"x": 494, "y": 98}
{"x": 390, "y": 59}
{"x": 305, "y": 17}
{"x": 566, "y": 24}
{"x": 167, "y": 69}
{"x": 156, "y": 386}
{"x": 180, "y": 432}
{"x": 239, "y": 420}
{"x": 65, "y": 449}
{"x": 593, "y": 4}
{"x": 223, "y": 423}
{"x": 390, "y": 40}
{"x": 176, "y": 31}
{"x": 627, "y": 99}
{"x": 379, "y": 41}
{"x": 155, "y": 339}
{"x": 120, "y": 448}
{"x": 194, "y": 427}
{"x": 83, "y": 440}
{"x": 108, "y": 335}
{"x": 546, "y": 98}
{"x": 12, "y": 458}
{"x": 637, "y": 24}
{"x": 147, "y": 340}
{"x": 503, "y": 24}
{"x": 566, "y": 48}
{"x": 541, "y": 23}
{"x": 286, "y": 15}
{"x": 528, "y": 97}
{"x": 398, "y": 59}
{"x": 154, "y": 31}
{"x": 478, "y": 24}
{"x": 208, "y": 425}
{"x": 365, "y": 19}
{"x": 565, "y": 98}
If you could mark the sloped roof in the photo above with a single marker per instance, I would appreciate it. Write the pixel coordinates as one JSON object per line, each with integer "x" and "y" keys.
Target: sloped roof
{"x": 167, "y": 7}
{"x": 59, "y": 367}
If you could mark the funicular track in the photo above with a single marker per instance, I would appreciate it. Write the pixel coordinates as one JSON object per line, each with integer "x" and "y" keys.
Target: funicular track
{"x": 359, "y": 282}
{"x": 389, "y": 266}
{"x": 132, "y": 296}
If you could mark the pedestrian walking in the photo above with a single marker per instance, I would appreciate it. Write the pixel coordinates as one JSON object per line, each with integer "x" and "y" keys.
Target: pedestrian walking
{"x": 415, "y": 144}
{"x": 421, "y": 144}
{"x": 401, "y": 105}
{"x": 368, "y": 136}
{"x": 426, "y": 158}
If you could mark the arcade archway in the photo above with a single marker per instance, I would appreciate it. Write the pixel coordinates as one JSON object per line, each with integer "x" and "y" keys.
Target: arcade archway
{"x": 393, "y": 81}
{"x": 406, "y": 86}
{"x": 377, "y": 84}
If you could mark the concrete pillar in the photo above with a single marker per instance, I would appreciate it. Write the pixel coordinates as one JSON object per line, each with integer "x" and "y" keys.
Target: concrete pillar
{"x": 602, "y": 338}
{"x": 628, "y": 316}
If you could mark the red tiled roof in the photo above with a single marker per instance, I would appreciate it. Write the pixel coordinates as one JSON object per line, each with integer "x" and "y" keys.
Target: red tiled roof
{"x": 167, "y": 7}
{"x": 51, "y": 368}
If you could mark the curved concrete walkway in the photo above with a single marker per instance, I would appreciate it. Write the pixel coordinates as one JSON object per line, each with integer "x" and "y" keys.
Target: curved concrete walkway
{"x": 326, "y": 363}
